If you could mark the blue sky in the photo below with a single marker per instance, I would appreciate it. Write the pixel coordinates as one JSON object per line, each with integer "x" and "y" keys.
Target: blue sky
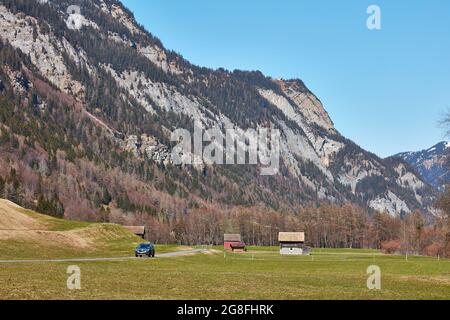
{"x": 385, "y": 90}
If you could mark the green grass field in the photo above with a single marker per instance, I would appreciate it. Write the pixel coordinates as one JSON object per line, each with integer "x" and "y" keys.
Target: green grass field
{"x": 327, "y": 274}
{"x": 261, "y": 273}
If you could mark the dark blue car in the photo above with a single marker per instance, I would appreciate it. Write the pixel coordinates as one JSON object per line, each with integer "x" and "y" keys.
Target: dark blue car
{"x": 145, "y": 249}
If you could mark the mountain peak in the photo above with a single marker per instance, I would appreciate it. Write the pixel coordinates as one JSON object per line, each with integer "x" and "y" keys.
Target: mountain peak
{"x": 432, "y": 163}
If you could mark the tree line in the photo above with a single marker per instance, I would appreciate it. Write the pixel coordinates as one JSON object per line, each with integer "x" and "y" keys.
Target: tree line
{"x": 325, "y": 226}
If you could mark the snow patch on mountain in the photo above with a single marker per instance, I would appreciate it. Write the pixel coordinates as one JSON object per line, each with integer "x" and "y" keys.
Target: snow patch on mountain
{"x": 76, "y": 21}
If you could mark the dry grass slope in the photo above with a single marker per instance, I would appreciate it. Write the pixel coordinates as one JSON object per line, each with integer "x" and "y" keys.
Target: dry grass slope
{"x": 25, "y": 234}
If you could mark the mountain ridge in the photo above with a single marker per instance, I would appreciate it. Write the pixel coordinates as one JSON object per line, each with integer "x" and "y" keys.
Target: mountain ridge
{"x": 129, "y": 93}
{"x": 432, "y": 163}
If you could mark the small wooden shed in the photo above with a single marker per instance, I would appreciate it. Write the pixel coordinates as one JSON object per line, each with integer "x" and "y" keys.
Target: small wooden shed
{"x": 231, "y": 241}
{"x": 291, "y": 243}
{"x": 140, "y": 231}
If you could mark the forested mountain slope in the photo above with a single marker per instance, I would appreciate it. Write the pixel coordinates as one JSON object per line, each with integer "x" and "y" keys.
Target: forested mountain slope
{"x": 86, "y": 116}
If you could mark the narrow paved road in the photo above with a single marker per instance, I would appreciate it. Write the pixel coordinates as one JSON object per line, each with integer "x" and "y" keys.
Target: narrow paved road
{"x": 161, "y": 255}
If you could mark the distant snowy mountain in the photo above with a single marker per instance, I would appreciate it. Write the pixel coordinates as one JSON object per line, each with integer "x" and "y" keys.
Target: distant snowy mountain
{"x": 433, "y": 164}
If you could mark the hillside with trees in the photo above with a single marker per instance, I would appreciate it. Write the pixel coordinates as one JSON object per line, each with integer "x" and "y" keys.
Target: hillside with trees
{"x": 85, "y": 122}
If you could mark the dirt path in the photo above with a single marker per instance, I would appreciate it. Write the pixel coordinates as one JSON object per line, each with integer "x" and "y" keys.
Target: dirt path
{"x": 161, "y": 255}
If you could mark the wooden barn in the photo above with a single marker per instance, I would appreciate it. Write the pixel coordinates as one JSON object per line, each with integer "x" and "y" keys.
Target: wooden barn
{"x": 137, "y": 230}
{"x": 291, "y": 243}
{"x": 233, "y": 242}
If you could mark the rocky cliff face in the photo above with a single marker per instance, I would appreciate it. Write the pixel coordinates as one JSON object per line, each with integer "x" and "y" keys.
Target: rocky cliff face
{"x": 100, "y": 68}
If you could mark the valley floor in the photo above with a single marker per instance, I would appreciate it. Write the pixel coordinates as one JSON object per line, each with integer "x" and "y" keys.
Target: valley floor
{"x": 258, "y": 274}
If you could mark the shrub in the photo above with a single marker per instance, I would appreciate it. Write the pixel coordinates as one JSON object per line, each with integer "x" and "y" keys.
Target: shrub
{"x": 390, "y": 247}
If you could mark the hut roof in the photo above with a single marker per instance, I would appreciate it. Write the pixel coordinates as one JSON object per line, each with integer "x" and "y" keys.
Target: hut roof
{"x": 139, "y": 230}
{"x": 232, "y": 237}
{"x": 291, "y": 237}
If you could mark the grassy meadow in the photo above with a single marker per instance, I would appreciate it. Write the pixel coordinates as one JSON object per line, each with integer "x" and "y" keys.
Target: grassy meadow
{"x": 260, "y": 273}
{"x": 257, "y": 274}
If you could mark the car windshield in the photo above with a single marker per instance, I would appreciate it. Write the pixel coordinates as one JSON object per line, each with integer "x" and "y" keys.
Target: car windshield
{"x": 144, "y": 246}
